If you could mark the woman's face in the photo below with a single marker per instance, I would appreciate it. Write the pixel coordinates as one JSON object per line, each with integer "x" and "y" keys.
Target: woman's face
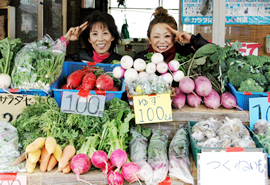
{"x": 161, "y": 38}
{"x": 100, "y": 38}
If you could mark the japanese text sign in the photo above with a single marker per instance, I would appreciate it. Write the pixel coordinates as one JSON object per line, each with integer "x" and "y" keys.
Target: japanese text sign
{"x": 13, "y": 179}
{"x": 152, "y": 108}
{"x": 11, "y": 106}
{"x": 92, "y": 105}
{"x": 232, "y": 168}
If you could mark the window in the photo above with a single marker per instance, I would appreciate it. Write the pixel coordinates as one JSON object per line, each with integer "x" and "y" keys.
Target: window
{"x": 138, "y": 14}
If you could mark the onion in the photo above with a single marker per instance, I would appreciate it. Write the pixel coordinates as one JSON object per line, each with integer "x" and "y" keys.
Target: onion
{"x": 131, "y": 75}
{"x": 139, "y": 64}
{"x": 178, "y": 75}
{"x": 150, "y": 68}
{"x": 118, "y": 72}
{"x": 174, "y": 65}
{"x": 162, "y": 67}
{"x": 126, "y": 62}
{"x": 157, "y": 58}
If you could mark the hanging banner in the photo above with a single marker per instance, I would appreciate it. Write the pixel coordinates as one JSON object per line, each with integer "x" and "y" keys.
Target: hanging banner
{"x": 237, "y": 12}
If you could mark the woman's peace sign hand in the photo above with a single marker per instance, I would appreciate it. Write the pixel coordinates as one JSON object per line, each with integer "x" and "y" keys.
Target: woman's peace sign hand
{"x": 181, "y": 36}
{"x": 74, "y": 32}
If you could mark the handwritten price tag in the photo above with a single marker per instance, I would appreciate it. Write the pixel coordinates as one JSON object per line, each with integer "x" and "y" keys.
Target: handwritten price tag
{"x": 233, "y": 168}
{"x": 152, "y": 108}
{"x": 11, "y": 106}
{"x": 92, "y": 105}
{"x": 13, "y": 179}
{"x": 259, "y": 108}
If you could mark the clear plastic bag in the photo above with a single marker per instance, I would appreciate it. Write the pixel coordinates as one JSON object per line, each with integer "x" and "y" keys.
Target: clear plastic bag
{"x": 9, "y": 149}
{"x": 138, "y": 146}
{"x": 260, "y": 127}
{"x": 38, "y": 64}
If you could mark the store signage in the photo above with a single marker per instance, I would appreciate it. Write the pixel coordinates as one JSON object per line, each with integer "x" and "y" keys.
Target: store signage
{"x": 92, "y": 105}
{"x": 11, "y": 106}
{"x": 255, "y": 12}
{"x": 152, "y": 108}
{"x": 233, "y": 168}
{"x": 259, "y": 108}
{"x": 13, "y": 179}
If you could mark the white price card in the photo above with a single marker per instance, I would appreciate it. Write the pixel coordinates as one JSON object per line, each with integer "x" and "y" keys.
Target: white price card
{"x": 233, "y": 168}
{"x": 92, "y": 105}
{"x": 13, "y": 179}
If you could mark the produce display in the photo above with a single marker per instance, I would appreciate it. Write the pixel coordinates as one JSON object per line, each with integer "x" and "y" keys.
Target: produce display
{"x": 262, "y": 130}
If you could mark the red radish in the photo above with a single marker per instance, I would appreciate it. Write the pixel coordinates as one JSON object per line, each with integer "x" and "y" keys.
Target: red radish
{"x": 187, "y": 85}
{"x": 203, "y": 86}
{"x": 80, "y": 164}
{"x": 177, "y": 90}
{"x": 115, "y": 178}
{"x": 104, "y": 82}
{"x": 110, "y": 167}
{"x": 130, "y": 170}
{"x": 179, "y": 101}
{"x": 75, "y": 79}
{"x": 114, "y": 89}
{"x": 194, "y": 100}
{"x": 89, "y": 81}
{"x": 99, "y": 159}
{"x": 118, "y": 72}
{"x": 228, "y": 101}
{"x": 212, "y": 100}
{"x": 118, "y": 158}
{"x": 79, "y": 87}
{"x": 65, "y": 87}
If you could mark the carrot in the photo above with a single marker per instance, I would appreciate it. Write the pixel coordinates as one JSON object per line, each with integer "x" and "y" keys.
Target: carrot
{"x": 68, "y": 152}
{"x": 58, "y": 152}
{"x": 52, "y": 163}
{"x": 75, "y": 78}
{"x": 20, "y": 159}
{"x": 67, "y": 168}
{"x": 44, "y": 159}
{"x": 89, "y": 81}
{"x": 33, "y": 157}
{"x": 35, "y": 145}
{"x": 30, "y": 167}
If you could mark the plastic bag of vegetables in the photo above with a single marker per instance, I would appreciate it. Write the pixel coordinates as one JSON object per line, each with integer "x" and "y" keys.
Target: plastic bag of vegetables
{"x": 9, "y": 149}
{"x": 38, "y": 64}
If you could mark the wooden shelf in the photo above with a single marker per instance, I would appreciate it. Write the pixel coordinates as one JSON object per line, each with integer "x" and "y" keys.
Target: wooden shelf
{"x": 9, "y": 12}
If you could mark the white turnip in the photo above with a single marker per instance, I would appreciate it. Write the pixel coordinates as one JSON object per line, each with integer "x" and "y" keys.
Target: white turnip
{"x": 131, "y": 75}
{"x": 203, "y": 86}
{"x": 157, "y": 58}
{"x": 187, "y": 85}
{"x": 126, "y": 62}
{"x": 212, "y": 100}
{"x": 139, "y": 64}
{"x": 167, "y": 77}
{"x": 130, "y": 171}
{"x": 151, "y": 68}
{"x": 5, "y": 82}
{"x": 174, "y": 65}
{"x": 178, "y": 75}
{"x": 143, "y": 75}
{"x": 194, "y": 100}
{"x": 179, "y": 101}
{"x": 118, "y": 72}
{"x": 162, "y": 67}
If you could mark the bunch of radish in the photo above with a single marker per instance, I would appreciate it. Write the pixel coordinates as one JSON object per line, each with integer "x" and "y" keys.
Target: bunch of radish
{"x": 133, "y": 69}
{"x": 198, "y": 90}
{"x": 86, "y": 79}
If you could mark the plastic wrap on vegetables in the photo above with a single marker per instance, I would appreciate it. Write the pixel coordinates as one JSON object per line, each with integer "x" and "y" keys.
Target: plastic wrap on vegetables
{"x": 138, "y": 147}
{"x": 9, "y": 149}
{"x": 157, "y": 155}
{"x": 179, "y": 163}
{"x": 260, "y": 127}
{"x": 38, "y": 64}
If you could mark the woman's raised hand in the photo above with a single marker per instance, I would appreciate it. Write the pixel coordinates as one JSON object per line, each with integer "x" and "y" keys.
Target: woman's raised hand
{"x": 181, "y": 36}
{"x": 74, "y": 32}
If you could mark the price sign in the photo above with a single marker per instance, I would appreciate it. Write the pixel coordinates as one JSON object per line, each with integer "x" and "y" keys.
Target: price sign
{"x": 92, "y": 105}
{"x": 13, "y": 179}
{"x": 259, "y": 108}
{"x": 232, "y": 168}
{"x": 152, "y": 108}
{"x": 11, "y": 106}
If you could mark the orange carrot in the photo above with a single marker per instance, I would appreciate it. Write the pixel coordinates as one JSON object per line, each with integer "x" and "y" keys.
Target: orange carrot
{"x": 67, "y": 168}
{"x": 20, "y": 159}
{"x": 44, "y": 159}
{"x": 52, "y": 163}
{"x": 68, "y": 152}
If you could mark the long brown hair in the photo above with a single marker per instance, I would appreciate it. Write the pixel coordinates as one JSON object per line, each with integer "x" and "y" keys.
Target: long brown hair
{"x": 161, "y": 16}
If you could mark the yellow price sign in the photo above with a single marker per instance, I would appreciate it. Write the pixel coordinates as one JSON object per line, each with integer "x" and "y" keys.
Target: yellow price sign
{"x": 152, "y": 108}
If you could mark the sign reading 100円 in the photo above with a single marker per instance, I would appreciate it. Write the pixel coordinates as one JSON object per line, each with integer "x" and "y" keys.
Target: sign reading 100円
{"x": 152, "y": 108}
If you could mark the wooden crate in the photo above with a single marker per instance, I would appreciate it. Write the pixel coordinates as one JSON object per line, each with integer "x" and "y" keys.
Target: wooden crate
{"x": 4, "y": 3}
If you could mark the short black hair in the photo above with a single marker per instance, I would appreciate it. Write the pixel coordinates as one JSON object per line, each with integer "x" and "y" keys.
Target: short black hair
{"x": 107, "y": 21}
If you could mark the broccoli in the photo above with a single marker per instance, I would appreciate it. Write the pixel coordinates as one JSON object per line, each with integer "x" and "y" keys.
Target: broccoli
{"x": 249, "y": 85}
{"x": 240, "y": 71}
{"x": 257, "y": 61}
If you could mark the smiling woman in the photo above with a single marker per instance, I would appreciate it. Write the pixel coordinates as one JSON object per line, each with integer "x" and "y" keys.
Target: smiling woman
{"x": 100, "y": 37}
